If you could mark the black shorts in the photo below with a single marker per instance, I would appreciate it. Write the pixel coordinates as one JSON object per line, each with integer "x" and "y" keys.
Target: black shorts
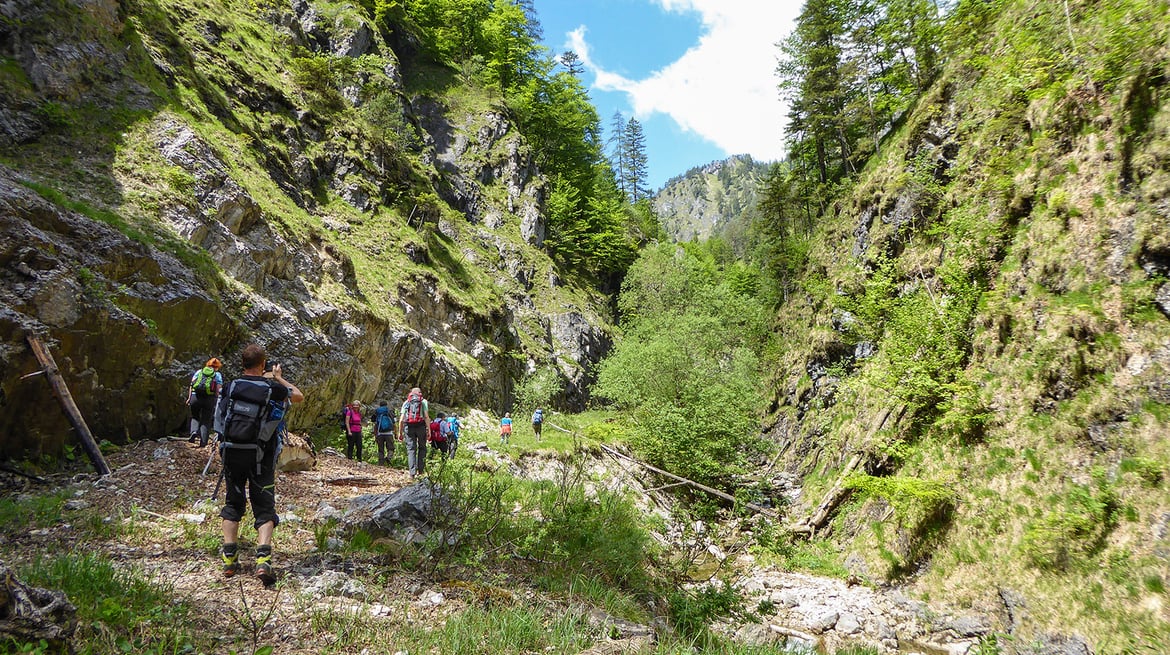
{"x": 239, "y": 472}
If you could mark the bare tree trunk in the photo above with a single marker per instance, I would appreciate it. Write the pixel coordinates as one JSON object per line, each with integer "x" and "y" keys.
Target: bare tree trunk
{"x": 66, "y": 399}
{"x": 839, "y": 491}
{"x": 714, "y": 492}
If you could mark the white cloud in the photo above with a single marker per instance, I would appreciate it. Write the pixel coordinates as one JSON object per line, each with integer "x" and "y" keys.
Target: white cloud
{"x": 724, "y": 87}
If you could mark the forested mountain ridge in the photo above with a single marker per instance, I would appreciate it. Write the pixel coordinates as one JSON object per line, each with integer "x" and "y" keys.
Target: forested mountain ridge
{"x": 183, "y": 177}
{"x": 972, "y": 383}
{"x": 704, "y": 200}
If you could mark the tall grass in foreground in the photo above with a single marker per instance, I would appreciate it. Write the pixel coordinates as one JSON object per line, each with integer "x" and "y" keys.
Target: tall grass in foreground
{"x": 118, "y": 611}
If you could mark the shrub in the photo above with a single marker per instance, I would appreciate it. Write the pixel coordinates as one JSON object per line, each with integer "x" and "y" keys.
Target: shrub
{"x": 914, "y": 500}
{"x": 1148, "y": 470}
{"x": 1076, "y": 529}
{"x": 693, "y": 610}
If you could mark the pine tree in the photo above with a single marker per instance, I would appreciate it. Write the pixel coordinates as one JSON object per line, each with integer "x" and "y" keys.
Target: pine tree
{"x": 636, "y": 162}
{"x": 616, "y": 145}
{"x": 535, "y": 29}
{"x": 572, "y": 63}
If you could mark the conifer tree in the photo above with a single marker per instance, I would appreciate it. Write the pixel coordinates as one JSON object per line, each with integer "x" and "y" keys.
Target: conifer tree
{"x": 572, "y": 62}
{"x": 617, "y": 149}
{"x": 636, "y": 161}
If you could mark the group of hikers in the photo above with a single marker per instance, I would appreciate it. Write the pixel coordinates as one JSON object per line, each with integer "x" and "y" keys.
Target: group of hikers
{"x": 247, "y": 417}
{"x": 442, "y": 432}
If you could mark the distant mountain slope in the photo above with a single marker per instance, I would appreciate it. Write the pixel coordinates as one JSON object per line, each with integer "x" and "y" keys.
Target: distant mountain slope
{"x": 703, "y": 200}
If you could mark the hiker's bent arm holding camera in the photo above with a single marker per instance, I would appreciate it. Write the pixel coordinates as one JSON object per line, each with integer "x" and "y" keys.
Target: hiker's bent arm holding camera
{"x": 294, "y": 394}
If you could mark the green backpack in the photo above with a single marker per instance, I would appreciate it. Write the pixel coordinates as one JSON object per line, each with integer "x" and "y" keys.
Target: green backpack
{"x": 204, "y": 383}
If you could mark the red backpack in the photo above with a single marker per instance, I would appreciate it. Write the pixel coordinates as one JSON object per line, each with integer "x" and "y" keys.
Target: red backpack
{"x": 437, "y": 431}
{"x": 414, "y": 408}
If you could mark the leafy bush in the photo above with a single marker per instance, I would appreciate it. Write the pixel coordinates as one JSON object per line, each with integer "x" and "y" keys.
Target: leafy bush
{"x": 693, "y": 610}
{"x": 1076, "y": 529}
{"x": 538, "y": 390}
{"x": 913, "y": 499}
{"x": 551, "y": 522}
{"x": 687, "y": 371}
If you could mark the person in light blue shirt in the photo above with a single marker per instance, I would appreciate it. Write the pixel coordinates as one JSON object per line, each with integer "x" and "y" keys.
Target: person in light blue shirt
{"x": 537, "y": 422}
{"x": 453, "y": 423}
{"x": 505, "y": 428}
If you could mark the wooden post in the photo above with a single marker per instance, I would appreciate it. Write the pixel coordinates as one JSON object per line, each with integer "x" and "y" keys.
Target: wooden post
{"x": 66, "y": 399}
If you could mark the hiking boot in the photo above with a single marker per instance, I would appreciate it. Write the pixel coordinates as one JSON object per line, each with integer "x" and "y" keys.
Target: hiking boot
{"x": 231, "y": 565}
{"x": 264, "y": 569}
{"x": 193, "y": 437}
{"x": 265, "y": 572}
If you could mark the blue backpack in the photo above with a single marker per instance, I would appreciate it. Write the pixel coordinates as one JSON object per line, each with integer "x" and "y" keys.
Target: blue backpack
{"x": 385, "y": 421}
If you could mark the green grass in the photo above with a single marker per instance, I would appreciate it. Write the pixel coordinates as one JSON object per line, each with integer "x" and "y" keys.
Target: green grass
{"x": 616, "y": 602}
{"x": 32, "y": 510}
{"x": 118, "y": 611}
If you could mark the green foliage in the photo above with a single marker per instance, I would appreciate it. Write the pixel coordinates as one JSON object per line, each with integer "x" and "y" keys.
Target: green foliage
{"x": 383, "y": 113}
{"x": 913, "y": 499}
{"x": 924, "y": 333}
{"x": 849, "y": 68}
{"x": 320, "y": 77}
{"x": 686, "y": 372}
{"x": 1148, "y": 470}
{"x": 1076, "y": 527}
{"x": 793, "y": 554}
{"x": 118, "y": 611}
{"x": 538, "y": 390}
{"x": 551, "y": 522}
{"x": 693, "y": 610}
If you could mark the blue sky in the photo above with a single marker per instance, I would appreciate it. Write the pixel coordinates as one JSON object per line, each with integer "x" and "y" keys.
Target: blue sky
{"x": 698, "y": 74}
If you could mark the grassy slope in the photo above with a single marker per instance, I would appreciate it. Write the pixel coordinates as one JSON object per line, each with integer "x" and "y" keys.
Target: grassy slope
{"x": 1055, "y": 201}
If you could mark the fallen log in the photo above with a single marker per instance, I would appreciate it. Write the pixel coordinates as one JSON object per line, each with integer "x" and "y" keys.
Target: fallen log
{"x": 839, "y": 491}
{"x": 701, "y": 487}
{"x": 355, "y": 481}
{"x": 49, "y": 366}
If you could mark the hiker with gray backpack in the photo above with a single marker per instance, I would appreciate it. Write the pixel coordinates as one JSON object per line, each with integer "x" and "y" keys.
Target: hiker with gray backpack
{"x": 413, "y": 421}
{"x": 250, "y": 410}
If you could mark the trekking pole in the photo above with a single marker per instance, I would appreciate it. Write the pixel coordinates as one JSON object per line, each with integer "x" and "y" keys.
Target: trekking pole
{"x": 222, "y": 469}
{"x": 214, "y": 449}
{"x": 218, "y": 482}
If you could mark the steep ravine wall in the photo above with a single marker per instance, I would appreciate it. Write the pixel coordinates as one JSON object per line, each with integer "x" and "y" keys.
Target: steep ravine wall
{"x": 203, "y": 222}
{"x": 982, "y": 327}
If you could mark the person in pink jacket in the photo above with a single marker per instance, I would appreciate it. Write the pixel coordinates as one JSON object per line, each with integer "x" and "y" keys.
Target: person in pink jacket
{"x": 353, "y": 430}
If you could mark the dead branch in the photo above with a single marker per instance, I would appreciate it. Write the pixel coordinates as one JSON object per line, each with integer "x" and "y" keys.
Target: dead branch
{"x": 839, "y": 491}
{"x": 701, "y": 487}
{"x": 355, "y": 481}
{"x": 66, "y": 399}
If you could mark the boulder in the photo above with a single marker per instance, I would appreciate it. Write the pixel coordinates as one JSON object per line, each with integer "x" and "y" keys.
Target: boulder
{"x": 409, "y": 515}
{"x": 297, "y": 454}
{"x": 1054, "y": 644}
{"x": 335, "y": 583}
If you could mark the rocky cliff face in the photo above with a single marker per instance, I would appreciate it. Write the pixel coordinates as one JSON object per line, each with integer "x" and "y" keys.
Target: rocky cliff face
{"x": 973, "y": 386}
{"x": 181, "y": 179}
